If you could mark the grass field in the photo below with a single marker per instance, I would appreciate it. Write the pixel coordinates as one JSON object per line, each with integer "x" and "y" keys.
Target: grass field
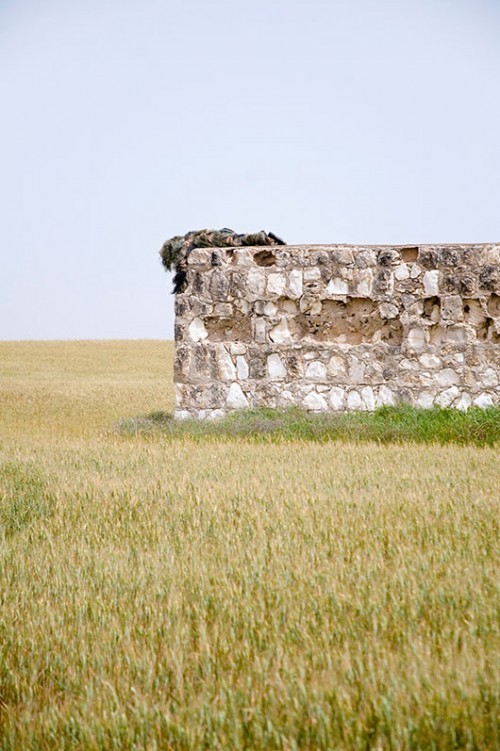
{"x": 189, "y": 592}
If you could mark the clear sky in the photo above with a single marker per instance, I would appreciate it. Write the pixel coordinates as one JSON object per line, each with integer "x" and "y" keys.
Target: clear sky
{"x": 127, "y": 121}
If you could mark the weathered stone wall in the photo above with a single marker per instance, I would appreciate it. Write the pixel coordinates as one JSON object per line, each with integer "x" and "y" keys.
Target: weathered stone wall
{"x": 335, "y": 327}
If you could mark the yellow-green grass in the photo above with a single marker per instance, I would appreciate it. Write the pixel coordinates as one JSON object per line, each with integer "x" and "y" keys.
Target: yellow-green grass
{"x": 165, "y": 592}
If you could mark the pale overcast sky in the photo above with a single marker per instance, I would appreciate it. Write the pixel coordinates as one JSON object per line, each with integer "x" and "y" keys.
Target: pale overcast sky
{"x": 125, "y": 122}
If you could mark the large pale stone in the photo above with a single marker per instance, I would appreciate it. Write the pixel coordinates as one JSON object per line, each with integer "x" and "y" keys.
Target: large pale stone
{"x": 489, "y": 378}
{"x": 429, "y": 361}
{"x": 295, "y": 282}
{"x": 236, "y": 399}
{"x": 315, "y": 402}
{"x": 354, "y": 400}
{"x": 225, "y": 366}
{"x": 312, "y": 274}
{"x": 337, "y": 286}
{"x": 357, "y": 370}
{"x": 402, "y": 272}
{"x": 336, "y": 398}
{"x": 364, "y": 283}
{"x": 464, "y": 402}
{"x": 241, "y": 368}
{"x": 197, "y": 330}
{"x": 280, "y": 334}
{"x": 431, "y": 283}
{"x": 316, "y": 371}
{"x": 275, "y": 367}
{"x": 425, "y": 400}
{"x": 385, "y": 397}
{"x": 260, "y": 330}
{"x": 256, "y": 283}
{"x": 336, "y": 366}
{"x": 368, "y": 398}
{"x": 388, "y": 310}
{"x": 276, "y": 284}
{"x": 483, "y": 401}
{"x": 416, "y": 338}
{"x": 446, "y": 398}
{"x": 447, "y": 377}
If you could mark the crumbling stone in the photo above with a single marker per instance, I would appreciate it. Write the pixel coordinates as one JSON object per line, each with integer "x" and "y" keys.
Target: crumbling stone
{"x": 332, "y": 328}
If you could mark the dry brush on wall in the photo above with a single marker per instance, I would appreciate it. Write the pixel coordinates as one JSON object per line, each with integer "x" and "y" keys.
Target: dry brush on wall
{"x": 335, "y": 327}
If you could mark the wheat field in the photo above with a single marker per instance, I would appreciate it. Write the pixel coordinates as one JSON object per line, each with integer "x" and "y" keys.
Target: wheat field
{"x": 161, "y": 593}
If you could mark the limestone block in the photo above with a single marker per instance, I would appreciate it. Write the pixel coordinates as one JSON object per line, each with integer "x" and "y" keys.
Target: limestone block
{"x": 260, "y": 330}
{"x": 464, "y": 402}
{"x": 483, "y": 401}
{"x": 236, "y": 399}
{"x": 425, "y": 400}
{"x": 356, "y": 370}
{"x": 446, "y": 398}
{"x": 270, "y": 309}
{"x": 242, "y": 368}
{"x": 429, "y": 361}
{"x": 354, "y": 401}
{"x": 385, "y": 397}
{"x": 275, "y": 367}
{"x": 225, "y": 365}
{"x": 388, "y": 310}
{"x": 368, "y": 398}
{"x": 337, "y": 398}
{"x": 363, "y": 283}
{"x": 316, "y": 371}
{"x": 337, "y": 286}
{"x": 489, "y": 378}
{"x": 431, "y": 283}
{"x": 237, "y": 348}
{"x": 276, "y": 283}
{"x": 314, "y": 402}
{"x": 312, "y": 274}
{"x": 416, "y": 338}
{"x": 197, "y": 330}
{"x": 256, "y": 283}
{"x": 337, "y": 366}
{"x": 295, "y": 283}
{"x": 280, "y": 334}
{"x": 402, "y": 272}
{"x": 447, "y": 377}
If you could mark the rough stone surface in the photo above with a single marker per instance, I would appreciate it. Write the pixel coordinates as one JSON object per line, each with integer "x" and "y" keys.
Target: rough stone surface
{"x": 338, "y": 327}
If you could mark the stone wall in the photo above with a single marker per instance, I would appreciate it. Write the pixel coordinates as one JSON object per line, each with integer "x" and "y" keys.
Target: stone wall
{"x": 336, "y": 327}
